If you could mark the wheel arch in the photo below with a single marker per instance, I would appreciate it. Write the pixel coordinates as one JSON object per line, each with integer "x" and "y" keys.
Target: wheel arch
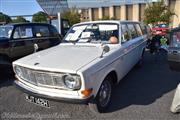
{"x": 113, "y": 75}
{"x": 114, "y": 79}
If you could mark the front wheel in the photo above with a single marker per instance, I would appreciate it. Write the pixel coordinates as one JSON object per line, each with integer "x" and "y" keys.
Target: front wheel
{"x": 102, "y": 100}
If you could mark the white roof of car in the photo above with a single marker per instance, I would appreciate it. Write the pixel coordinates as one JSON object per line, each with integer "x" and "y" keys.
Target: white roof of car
{"x": 106, "y": 21}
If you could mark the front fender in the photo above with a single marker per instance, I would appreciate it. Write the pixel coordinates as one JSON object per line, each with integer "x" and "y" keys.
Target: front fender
{"x": 96, "y": 78}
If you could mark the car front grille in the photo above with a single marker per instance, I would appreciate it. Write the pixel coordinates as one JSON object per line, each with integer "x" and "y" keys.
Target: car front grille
{"x": 41, "y": 78}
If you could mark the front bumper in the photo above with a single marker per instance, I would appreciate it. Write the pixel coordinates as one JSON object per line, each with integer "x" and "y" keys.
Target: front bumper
{"x": 47, "y": 95}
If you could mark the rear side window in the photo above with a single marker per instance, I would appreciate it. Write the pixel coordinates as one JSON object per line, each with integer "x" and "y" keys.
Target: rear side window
{"x": 144, "y": 29}
{"x": 132, "y": 30}
{"x": 23, "y": 32}
{"x": 175, "y": 39}
{"x": 54, "y": 32}
{"x": 125, "y": 36}
{"x": 148, "y": 29}
{"x": 66, "y": 24}
{"x": 138, "y": 29}
{"x": 41, "y": 31}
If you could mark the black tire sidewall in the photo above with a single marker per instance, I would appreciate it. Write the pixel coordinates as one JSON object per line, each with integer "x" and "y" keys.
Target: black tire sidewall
{"x": 97, "y": 105}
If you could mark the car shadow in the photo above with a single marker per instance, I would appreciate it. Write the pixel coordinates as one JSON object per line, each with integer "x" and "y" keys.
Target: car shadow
{"x": 6, "y": 78}
{"x": 145, "y": 85}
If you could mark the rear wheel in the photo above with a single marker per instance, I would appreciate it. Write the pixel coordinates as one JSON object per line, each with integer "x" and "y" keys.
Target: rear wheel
{"x": 102, "y": 100}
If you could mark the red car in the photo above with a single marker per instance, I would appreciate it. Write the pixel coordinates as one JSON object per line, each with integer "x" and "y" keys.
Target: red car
{"x": 160, "y": 29}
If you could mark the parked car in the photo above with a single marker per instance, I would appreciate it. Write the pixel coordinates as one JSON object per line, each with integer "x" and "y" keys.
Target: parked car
{"x": 160, "y": 29}
{"x": 174, "y": 64}
{"x": 174, "y": 49}
{"x": 147, "y": 30}
{"x": 84, "y": 68}
{"x": 18, "y": 40}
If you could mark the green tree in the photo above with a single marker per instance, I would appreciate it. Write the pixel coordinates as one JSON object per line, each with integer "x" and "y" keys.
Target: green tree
{"x": 5, "y": 18}
{"x": 72, "y": 15}
{"x": 157, "y": 12}
{"x": 105, "y": 18}
{"x": 113, "y": 18}
{"x": 40, "y": 17}
{"x": 19, "y": 19}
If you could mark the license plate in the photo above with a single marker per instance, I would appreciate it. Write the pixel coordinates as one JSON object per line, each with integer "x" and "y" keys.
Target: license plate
{"x": 38, "y": 101}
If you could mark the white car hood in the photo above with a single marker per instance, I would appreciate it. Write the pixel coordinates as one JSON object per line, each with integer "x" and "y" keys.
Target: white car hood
{"x": 62, "y": 58}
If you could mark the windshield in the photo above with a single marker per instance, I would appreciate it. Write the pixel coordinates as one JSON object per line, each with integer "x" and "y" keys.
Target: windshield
{"x": 161, "y": 26}
{"x": 5, "y": 31}
{"x": 97, "y": 32}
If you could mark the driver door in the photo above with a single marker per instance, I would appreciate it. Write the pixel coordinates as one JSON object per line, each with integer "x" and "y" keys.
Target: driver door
{"x": 22, "y": 41}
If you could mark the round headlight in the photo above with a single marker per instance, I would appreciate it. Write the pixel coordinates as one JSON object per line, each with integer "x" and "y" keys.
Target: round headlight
{"x": 18, "y": 71}
{"x": 71, "y": 82}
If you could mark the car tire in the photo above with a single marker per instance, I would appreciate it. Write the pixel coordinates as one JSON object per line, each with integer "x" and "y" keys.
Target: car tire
{"x": 102, "y": 100}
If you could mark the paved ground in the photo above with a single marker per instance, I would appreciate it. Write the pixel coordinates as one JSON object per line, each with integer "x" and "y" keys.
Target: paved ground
{"x": 145, "y": 93}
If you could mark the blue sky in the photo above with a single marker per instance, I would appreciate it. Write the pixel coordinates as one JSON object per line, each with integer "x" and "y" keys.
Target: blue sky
{"x": 19, "y": 7}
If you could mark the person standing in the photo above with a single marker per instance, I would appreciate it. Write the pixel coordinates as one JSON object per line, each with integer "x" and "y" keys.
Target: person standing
{"x": 163, "y": 43}
{"x": 155, "y": 44}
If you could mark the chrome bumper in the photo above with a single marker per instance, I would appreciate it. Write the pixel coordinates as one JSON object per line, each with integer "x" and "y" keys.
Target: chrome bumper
{"x": 47, "y": 95}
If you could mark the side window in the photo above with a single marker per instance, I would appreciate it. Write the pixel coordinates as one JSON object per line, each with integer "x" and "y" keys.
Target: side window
{"x": 23, "y": 32}
{"x": 143, "y": 28}
{"x": 148, "y": 29}
{"x": 132, "y": 30}
{"x": 41, "y": 31}
{"x": 138, "y": 29}
{"x": 125, "y": 36}
{"x": 54, "y": 32}
{"x": 66, "y": 24}
{"x": 175, "y": 42}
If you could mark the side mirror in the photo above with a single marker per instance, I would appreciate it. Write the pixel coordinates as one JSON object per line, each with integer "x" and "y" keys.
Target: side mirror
{"x": 105, "y": 49}
{"x": 36, "y": 47}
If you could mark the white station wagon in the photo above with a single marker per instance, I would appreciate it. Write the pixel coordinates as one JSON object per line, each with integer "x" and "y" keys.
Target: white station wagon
{"x": 84, "y": 68}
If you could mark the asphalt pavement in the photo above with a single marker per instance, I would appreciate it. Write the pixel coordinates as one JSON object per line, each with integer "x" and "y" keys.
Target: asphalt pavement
{"x": 145, "y": 93}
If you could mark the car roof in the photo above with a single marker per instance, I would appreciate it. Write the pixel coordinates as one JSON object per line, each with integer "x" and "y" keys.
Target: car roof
{"x": 19, "y": 24}
{"x": 108, "y": 21}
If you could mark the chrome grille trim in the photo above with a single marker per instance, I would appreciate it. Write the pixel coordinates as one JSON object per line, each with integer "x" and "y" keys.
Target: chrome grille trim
{"x": 42, "y": 78}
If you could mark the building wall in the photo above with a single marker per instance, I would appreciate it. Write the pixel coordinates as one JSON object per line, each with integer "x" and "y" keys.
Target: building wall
{"x": 95, "y": 14}
{"x": 117, "y": 12}
{"x": 141, "y": 11}
{"x": 123, "y": 12}
{"x": 175, "y": 6}
{"x": 131, "y": 12}
{"x": 105, "y": 11}
{"x": 84, "y": 15}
